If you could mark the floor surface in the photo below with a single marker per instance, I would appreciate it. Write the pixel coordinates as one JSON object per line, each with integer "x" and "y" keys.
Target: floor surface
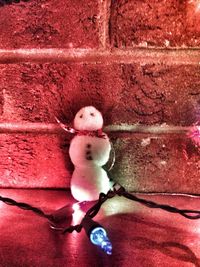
{"x": 141, "y": 237}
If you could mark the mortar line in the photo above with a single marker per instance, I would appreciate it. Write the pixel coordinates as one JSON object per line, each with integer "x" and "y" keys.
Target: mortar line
{"x": 137, "y": 55}
{"x": 53, "y": 128}
{"x": 67, "y": 189}
{"x": 103, "y": 24}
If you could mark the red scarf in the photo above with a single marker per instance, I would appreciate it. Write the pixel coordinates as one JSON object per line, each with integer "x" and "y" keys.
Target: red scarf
{"x": 98, "y": 133}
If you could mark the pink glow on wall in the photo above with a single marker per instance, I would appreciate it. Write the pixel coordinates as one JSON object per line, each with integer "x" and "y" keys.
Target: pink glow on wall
{"x": 195, "y": 135}
{"x": 193, "y": 15}
{"x": 195, "y": 4}
{"x": 77, "y": 216}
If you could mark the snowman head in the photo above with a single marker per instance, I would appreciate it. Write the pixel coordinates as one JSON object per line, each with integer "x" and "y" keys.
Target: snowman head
{"x": 89, "y": 119}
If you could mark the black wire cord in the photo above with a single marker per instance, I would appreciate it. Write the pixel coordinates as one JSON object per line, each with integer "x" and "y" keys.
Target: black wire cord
{"x": 189, "y": 214}
{"x": 120, "y": 191}
{"x": 25, "y": 206}
{"x": 92, "y": 212}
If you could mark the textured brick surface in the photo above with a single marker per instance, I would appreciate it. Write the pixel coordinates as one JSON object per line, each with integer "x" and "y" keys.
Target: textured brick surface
{"x": 45, "y": 24}
{"x": 157, "y": 164}
{"x": 155, "y": 23}
{"x": 29, "y": 161}
{"x": 143, "y": 163}
{"x": 145, "y": 94}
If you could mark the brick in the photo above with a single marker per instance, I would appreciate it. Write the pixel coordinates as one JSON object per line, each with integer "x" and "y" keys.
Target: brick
{"x": 143, "y": 163}
{"x": 49, "y": 24}
{"x": 146, "y": 94}
{"x": 156, "y": 23}
{"x": 29, "y": 161}
{"x": 157, "y": 164}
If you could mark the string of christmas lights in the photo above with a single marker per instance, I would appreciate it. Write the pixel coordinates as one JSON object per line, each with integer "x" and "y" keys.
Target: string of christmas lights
{"x": 25, "y": 206}
{"x": 96, "y": 233}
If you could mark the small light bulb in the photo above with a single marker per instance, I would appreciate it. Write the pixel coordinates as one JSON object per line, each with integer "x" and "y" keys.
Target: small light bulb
{"x": 79, "y": 205}
{"x": 83, "y": 205}
{"x": 76, "y": 206}
{"x": 97, "y": 234}
{"x": 98, "y": 237}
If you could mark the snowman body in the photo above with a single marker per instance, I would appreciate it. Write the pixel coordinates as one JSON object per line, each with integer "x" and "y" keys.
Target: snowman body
{"x": 89, "y": 153}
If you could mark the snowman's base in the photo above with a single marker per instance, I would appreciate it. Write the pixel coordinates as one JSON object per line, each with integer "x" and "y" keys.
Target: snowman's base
{"x": 88, "y": 182}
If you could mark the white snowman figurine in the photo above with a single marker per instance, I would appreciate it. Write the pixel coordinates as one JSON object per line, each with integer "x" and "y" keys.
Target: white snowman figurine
{"x": 89, "y": 151}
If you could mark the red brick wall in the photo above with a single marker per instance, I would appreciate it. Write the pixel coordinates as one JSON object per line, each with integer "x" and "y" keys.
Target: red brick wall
{"x": 136, "y": 61}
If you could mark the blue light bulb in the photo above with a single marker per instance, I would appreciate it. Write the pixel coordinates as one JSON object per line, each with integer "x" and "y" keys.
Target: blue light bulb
{"x": 98, "y": 237}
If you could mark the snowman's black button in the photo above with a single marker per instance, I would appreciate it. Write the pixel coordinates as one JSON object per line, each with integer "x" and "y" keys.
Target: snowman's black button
{"x": 89, "y": 158}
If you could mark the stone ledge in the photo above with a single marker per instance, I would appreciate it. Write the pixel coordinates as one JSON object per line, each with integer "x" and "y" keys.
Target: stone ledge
{"x": 140, "y": 236}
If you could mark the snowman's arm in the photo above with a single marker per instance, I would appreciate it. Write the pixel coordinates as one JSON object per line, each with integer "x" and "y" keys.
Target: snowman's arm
{"x": 65, "y": 127}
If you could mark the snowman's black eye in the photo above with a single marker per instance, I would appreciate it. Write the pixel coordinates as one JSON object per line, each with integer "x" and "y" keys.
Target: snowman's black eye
{"x": 92, "y": 114}
{"x": 81, "y": 116}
